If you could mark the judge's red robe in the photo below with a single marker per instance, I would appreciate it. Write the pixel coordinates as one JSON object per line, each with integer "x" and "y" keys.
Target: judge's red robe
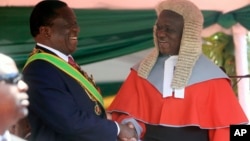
{"x": 210, "y": 105}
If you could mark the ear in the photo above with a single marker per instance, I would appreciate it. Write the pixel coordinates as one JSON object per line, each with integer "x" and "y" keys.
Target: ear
{"x": 45, "y": 31}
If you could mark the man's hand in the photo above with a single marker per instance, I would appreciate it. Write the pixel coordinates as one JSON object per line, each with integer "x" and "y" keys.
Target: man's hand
{"x": 127, "y": 132}
{"x": 109, "y": 116}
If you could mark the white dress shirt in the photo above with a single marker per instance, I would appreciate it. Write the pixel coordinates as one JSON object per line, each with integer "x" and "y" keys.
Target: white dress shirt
{"x": 58, "y": 53}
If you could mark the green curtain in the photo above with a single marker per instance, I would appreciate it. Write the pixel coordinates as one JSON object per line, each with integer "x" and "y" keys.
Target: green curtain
{"x": 104, "y": 33}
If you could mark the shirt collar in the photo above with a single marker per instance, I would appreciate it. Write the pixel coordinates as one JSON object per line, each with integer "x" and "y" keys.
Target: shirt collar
{"x": 58, "y": 53}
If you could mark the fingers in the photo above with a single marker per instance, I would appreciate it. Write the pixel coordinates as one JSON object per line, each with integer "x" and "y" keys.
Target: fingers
{"x": 132, "y": 139}
{"x": 109, "y": 116}
{"x": 127, "y": 132}
{"x": 130, "y": 125}
{"x": 126, "y": 139}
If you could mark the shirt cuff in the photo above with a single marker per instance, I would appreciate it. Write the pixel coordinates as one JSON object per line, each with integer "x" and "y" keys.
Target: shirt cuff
{"x": 118, "y": 128}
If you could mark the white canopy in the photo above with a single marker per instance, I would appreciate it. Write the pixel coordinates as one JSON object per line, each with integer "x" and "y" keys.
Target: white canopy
{"x": 220, "y": 5}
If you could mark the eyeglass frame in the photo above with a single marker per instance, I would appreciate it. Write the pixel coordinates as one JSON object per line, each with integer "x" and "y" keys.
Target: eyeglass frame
{"x": 11, "y": 78}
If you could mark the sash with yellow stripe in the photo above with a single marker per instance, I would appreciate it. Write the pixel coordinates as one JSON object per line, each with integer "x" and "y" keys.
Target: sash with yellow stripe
{"x": 68, "y": 69}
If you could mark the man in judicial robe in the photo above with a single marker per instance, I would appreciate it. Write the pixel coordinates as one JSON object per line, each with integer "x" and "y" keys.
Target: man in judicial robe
{"x": 176, "y": 93}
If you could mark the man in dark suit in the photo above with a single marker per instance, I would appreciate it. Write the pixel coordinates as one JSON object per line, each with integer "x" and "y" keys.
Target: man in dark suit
{"x": 65, "y": 104}
{"x": 13, "y": 98}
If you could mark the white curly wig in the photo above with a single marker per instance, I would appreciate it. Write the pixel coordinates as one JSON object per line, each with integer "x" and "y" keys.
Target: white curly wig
{"x": 191, "y": 42}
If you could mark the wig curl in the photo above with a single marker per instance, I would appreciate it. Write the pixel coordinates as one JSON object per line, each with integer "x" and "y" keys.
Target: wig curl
{"x": 191, "y": 42}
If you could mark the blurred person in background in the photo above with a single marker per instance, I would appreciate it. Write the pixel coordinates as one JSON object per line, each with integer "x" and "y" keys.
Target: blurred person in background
{"x": 13, "y": 98}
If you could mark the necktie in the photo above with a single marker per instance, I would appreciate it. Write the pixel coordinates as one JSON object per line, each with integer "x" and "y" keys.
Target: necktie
{"x": 73, "y": 63}
{"x": 76, "y": 66}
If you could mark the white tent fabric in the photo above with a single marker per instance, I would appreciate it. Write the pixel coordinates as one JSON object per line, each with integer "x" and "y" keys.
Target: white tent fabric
{"x": 220, "y": 5}
{"x": 117, "y": 69}
{"x": 239, "y": 36}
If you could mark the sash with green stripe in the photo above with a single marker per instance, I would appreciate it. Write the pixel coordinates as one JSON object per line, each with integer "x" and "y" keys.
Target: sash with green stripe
{"x": 67, "y": 68}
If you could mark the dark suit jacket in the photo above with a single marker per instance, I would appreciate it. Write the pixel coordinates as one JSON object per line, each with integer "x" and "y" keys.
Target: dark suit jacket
{"x": 60, "y": 109}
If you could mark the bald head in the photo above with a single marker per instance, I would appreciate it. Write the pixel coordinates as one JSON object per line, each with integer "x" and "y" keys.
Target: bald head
{"x": 7, "y": 65}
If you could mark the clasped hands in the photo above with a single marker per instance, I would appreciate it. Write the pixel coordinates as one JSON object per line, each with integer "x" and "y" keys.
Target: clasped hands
{"x": 127, "y": 132}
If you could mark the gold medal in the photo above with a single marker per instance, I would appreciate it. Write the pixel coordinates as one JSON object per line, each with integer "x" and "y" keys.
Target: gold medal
{"x": 97, "y": 109}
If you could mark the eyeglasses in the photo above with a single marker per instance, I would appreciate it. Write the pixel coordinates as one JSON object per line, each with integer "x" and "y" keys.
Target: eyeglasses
{"x": 12, "y": 78}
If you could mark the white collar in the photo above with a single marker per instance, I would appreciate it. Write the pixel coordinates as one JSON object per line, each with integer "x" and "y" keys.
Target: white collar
{"x": 58, "y": 53}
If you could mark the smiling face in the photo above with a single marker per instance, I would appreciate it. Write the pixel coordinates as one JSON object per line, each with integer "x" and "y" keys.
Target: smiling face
{"x": 169, "y": 28}
{"x": 61, "y": 34}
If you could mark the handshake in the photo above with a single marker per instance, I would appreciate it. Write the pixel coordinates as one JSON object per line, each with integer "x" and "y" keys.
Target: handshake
{"x": 127, "y": 132}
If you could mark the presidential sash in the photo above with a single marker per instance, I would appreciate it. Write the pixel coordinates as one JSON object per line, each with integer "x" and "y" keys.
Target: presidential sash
{"x": 68, "y": 69}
